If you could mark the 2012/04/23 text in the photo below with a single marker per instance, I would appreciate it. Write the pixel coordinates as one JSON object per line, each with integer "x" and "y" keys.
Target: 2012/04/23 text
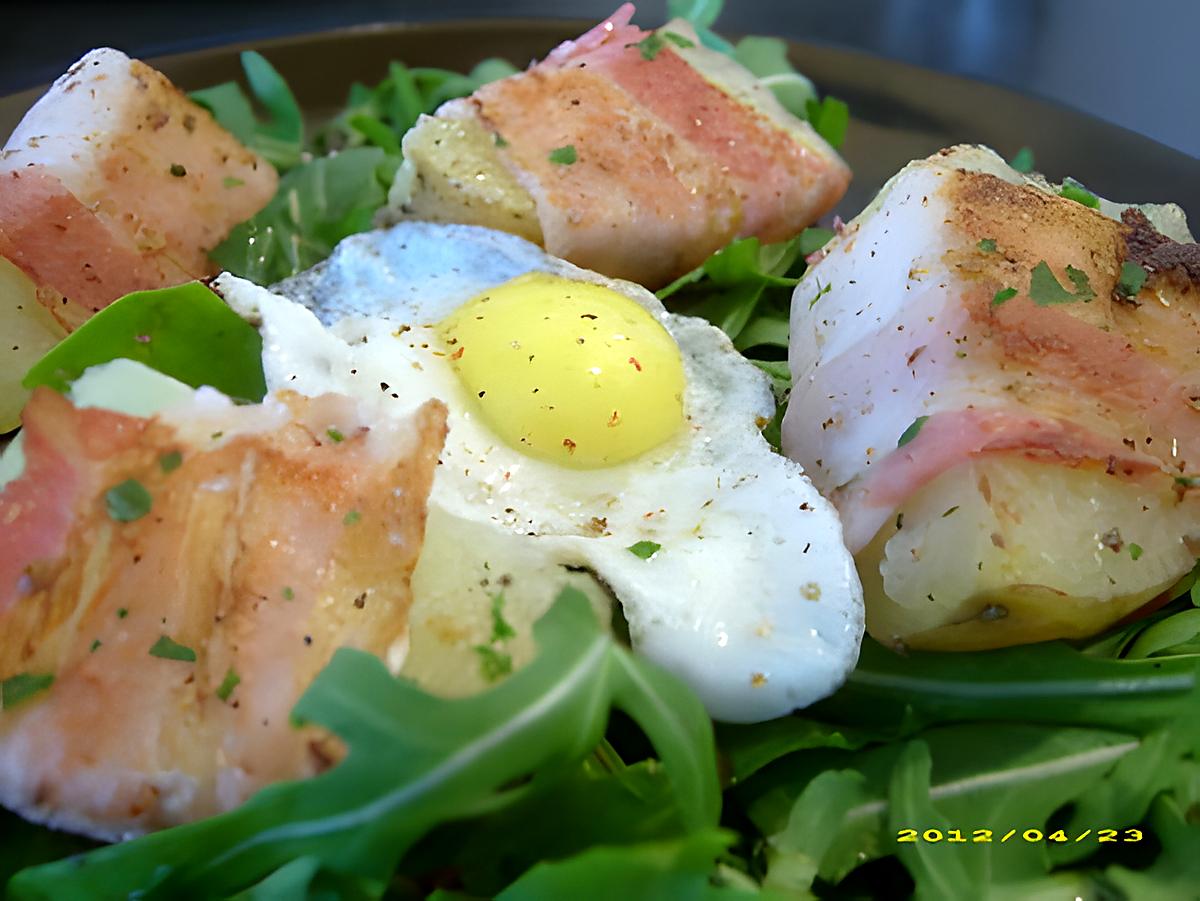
{"x": 984, "y": 836}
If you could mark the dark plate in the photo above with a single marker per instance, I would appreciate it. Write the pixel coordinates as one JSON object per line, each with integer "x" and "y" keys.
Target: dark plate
{"x": 899, "y": 112}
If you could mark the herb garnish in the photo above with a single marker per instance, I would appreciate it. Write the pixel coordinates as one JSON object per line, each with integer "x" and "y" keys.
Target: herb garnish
{"x": 1045, "y": 290}
{"x": 334, "y": 435}
{"x": 1131, "y": 280}
{"x": 650, "y": 46}
{"x": 912, "y": 431}
{"x": 493, "y": 663}
{"x": 288, "y": 594}
{"x": 351, "y": 518}
{"x": 564, "y": 156}
{"x": 96, "y": 643}
{"x": 644, "y": 549}
{"x": 1135, "y": 550}
{"x": 169, "y": 649}
{"x": 1022, "y": 160}
{"x": 677, "y": 39}
{"x": 501, "y": 628}
{"x": 987, "y": 245}
{"x": 177, "y": 170}
{"x": 128, "y": 501}
{"x": 1073, "y": 190}
{"x": 230, "y": 181}
{"x": 171, "y": 461}
{"x": 22, "y": 687}
{"x": 1003, "y": 295}
{"x": 228, "y": 684}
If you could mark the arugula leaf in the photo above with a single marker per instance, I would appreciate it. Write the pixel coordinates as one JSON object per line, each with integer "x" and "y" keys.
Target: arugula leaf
{"x": 559, "y": 816}
{"x": 1022, "y": 160}
{"x": 1049, "y": 682}
{"x": 701, "y": 14}
{"x": 1164, "y": 636}
{"x": 280, "y": 138}
{"x": 767, "y": 58}
{"x": 749, "y": 748}
{"x": 186, "y": 332}
{"x": 1176, "y": 872}
{"x": 317, "y": 205}
{"x": 830, "y": 118}
{"x": 674, "y": 869}
{"x": 984, "y": 776}
{"x": 449, "y": 759}
{"x": 795, "y": 853}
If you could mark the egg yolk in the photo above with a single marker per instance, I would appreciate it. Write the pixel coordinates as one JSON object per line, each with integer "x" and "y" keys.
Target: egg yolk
{"x": 567, "y": 371}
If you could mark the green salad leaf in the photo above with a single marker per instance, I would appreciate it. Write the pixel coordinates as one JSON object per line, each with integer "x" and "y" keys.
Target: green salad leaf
{"x": 1050, "y": 682}
{"x": 448, "y": 759}
{"x": 767, "y": 58}
{"x": 336, "y": 188}
{"x": 179, "y": 331}
{"x": 317, "y": 205}
{"x": 280, "y": 138}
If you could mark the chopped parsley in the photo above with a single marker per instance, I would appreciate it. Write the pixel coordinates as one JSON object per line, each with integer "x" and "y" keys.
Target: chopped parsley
{"x": 1135, "y": 550}
{"x": 177, "y": 170}
{"x": 499, "y": 140}
{"x": 1022, "y": 160}
{"x": 677, "y": 39}
{"x": 950, "y": 511}
{"x": 96, "y": 642}
{"x": 987, "y": 245}
{"x": 168, "y": 649}
{"x": 22, "y": 687}
{"x": 911, "y": 432}
{"x": 492, "y": 663}
{"x": 501, "y": 628}
{"x": 230, "y": 181}
{"x": 1073, "y": 190}
{"x": 1003, "y": 295}
{"x": 1132, "y": 278}
{"x": 564, "y": 156}
{"x": 351, "y": 518}
{"x": 644, "y": 549}
{"x": 650, "y": 46}
{"x": 334, "y": 435}
{"x": 122, "y": 613}
{"x": 128, "y": 501}
{"x": 288, "y": 594}
{"x": 170, "y": 462}
{"x": 1045, "y": 290}
{"x": 228, "y": 684}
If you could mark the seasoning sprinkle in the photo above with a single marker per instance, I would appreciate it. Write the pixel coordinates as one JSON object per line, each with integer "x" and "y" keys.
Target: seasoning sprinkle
{"x": 169, "y": 649}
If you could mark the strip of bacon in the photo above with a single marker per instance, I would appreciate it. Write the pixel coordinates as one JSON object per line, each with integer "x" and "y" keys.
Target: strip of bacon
{"x": 266, "y": 544}
{"x": 641, "y": 159}
{"x": 127, "y": 174}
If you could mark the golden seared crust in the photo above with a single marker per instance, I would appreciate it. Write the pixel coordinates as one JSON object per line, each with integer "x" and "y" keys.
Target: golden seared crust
{"x": 1029, "y": 226}
{"x": 260, "y": 556}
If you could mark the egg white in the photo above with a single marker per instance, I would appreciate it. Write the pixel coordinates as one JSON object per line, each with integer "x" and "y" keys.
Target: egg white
{"x": 752, "y": 599}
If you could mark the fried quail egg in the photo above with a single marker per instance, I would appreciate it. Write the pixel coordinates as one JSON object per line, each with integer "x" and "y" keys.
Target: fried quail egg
{"x": 593, "y": 437}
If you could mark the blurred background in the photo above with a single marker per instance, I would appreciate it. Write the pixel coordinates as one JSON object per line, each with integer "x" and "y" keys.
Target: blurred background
{"x": 1132, "y": 63}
